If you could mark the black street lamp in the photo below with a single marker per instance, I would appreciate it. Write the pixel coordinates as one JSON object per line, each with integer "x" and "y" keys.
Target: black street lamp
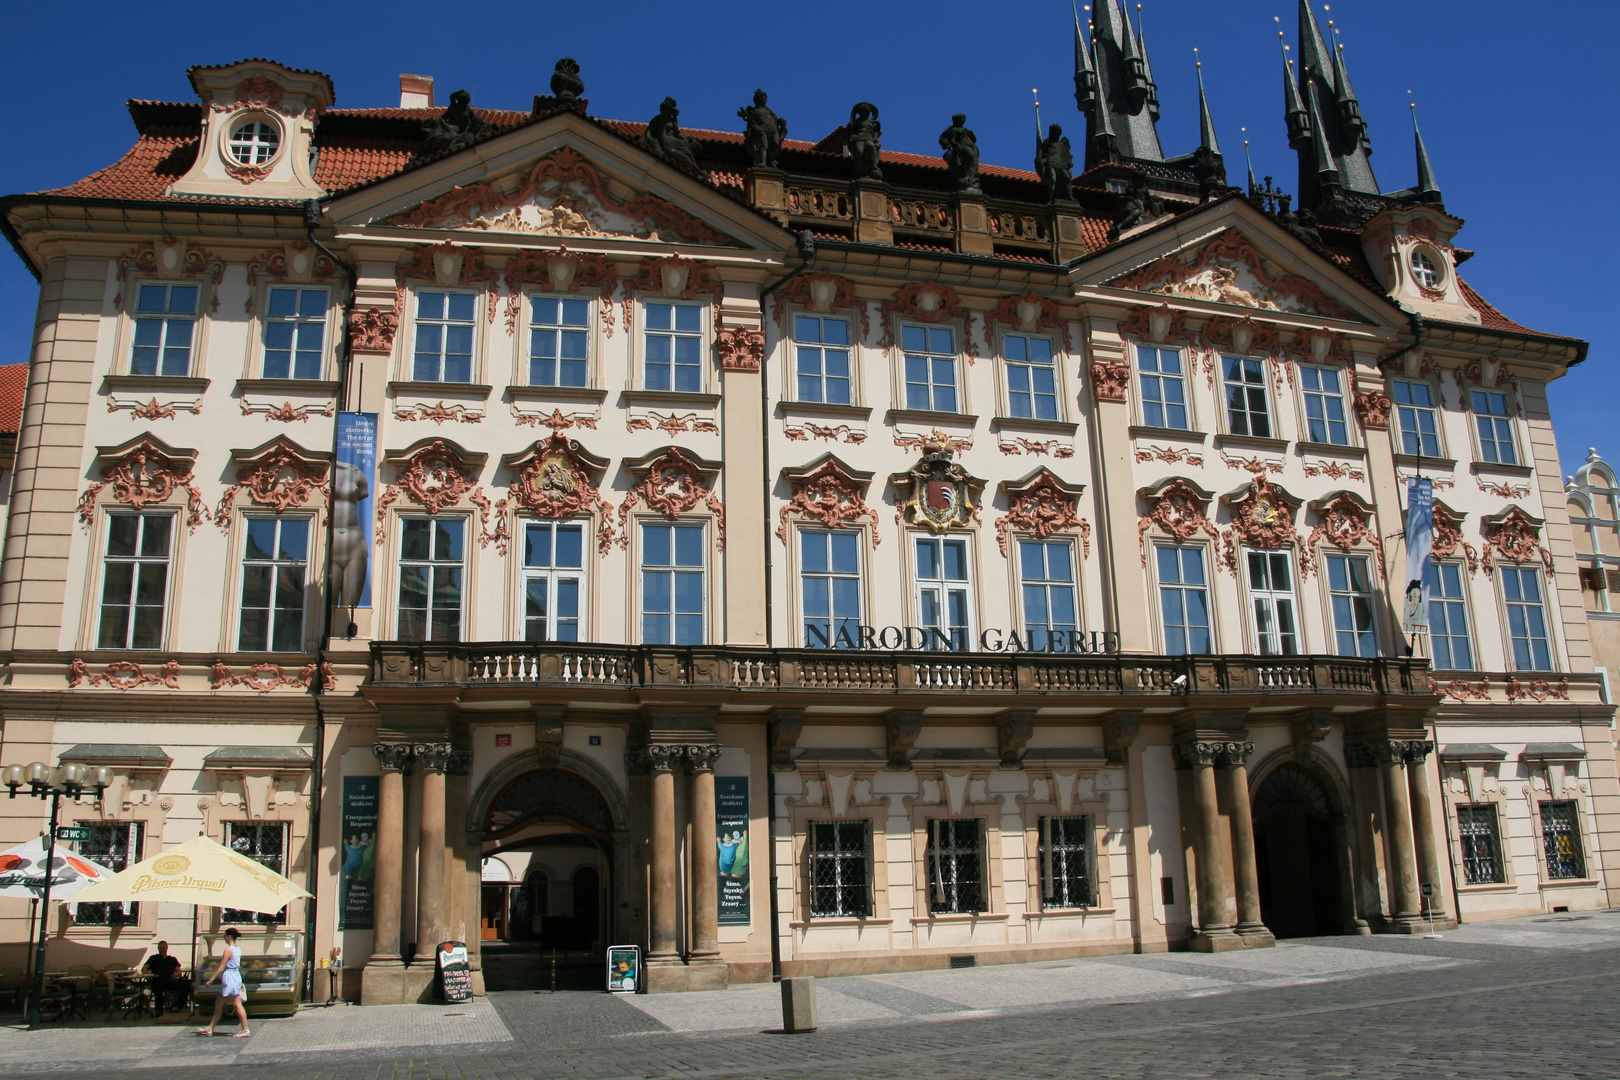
{"x": 42, "y": 781}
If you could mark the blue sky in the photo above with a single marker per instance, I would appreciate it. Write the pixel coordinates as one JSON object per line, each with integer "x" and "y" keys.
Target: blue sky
{"x": 1514, "y": 99}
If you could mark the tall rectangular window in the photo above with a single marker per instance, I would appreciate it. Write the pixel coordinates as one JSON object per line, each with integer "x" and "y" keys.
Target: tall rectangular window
{"x": 1271, "y": 592}
{"x": 830, "y": 576}
{"x": 1183, "y": 599}
{"x": 295, "y": 334}
{"x": 1416, "y": 419}
{"x": 1046, "y": 577}
{"x": 275, "y": 561}
{"x": 1448, "y": 618}
{"x": 1066, "y": 862}
{"x": 135, "y": 581}
{"x": 165, "y": 325}
{"x": 115, "y": 845}
{"x": 1324, "y": 405}
{"x": 840, "y": 870}
{"x": 1350, "y": 594}
{"x": 553, "y": 575}
{"x": 559, "y": 341}
{"x": 956, "y": 882}
{"x": 1481, "y": 845}
{"x": 266, "y": 844}
{"x": 674, "y": 347}
{"x": 1247, "y": 410}
{"x": 943, "y": 600}
{"x": 821, "y": 359}
{"x": 672, "y": 584}
{"x": 444, "y": 337}
{"x": 1164, "y": 387}
{"x": 1031, "y": 377}
{"x": 1495, "y": 428}
{"x": 930, "y": 367}
{"x": 1527, "y": 619}
{"x": 430, "y": 571}
{"x": 1561, "y": 840}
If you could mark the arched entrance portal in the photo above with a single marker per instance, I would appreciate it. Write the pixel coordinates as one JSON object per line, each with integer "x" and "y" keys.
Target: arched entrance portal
{"x": 1296, "y": 854}
{"x": 554, "y": 829}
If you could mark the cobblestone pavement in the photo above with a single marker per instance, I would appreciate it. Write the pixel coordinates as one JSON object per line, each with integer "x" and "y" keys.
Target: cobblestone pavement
{"x": 1529, "y": 998}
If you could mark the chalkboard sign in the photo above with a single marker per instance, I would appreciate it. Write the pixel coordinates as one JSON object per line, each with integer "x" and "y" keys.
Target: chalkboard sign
{"x": 455, "y": 974}
{"x": 624, "y": 969}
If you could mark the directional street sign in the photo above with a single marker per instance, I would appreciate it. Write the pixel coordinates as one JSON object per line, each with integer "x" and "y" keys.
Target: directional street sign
{"x": 68, "y": 832}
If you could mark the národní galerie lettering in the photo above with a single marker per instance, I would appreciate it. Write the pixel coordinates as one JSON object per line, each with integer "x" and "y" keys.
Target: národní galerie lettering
{"x": 802, "y": 556}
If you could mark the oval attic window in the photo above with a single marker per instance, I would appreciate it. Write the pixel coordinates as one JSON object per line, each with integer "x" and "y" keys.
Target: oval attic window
{"x": 254, "y": 142}
{"x": 1425, "y": 269}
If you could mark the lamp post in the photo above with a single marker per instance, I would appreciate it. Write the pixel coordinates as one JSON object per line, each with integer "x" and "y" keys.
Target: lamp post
{"x": 42, "y": 781}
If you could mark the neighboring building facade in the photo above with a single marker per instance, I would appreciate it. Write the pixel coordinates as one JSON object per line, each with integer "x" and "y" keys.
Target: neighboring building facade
{"x": 1002, "y": 570}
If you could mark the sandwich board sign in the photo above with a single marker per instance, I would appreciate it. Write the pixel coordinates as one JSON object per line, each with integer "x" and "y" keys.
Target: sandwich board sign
{"x": 624, "y": 969}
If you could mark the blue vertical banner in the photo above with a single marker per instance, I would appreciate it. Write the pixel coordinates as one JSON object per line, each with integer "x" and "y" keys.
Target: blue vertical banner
{"x": 353, "y": 481}
{"x": 1419, "y": 546}
{"x": 358, "y": 871}
{"x": 731, "y": 836}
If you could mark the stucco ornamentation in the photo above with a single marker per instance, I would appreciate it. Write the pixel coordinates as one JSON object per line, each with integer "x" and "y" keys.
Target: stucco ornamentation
{"x": 1178, "y": 512}
{"x": 145, "y": 476}
{"x": 125, "y": 675}
{"x": 1515, "y": 538}
{"x": 930, "y": 302}
{"x": 1042, "y": 508}
{"x": 672, "y": 486}
{"x": 831, "y": 496}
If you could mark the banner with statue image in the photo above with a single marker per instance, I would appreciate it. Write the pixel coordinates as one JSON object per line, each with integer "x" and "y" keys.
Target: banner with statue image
{"x": 731, "y": 834}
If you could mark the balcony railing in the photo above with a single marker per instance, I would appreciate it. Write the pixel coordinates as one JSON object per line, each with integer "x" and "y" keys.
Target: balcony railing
{"x": 577, "y": 667}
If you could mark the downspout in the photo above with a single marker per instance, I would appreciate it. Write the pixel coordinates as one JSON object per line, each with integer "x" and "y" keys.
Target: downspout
{"x": 807, "y": 252}
{"x": 312, "y": 219}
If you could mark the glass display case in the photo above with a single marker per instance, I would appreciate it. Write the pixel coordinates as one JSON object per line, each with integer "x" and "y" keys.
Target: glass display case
{"x": 272, "y": 970}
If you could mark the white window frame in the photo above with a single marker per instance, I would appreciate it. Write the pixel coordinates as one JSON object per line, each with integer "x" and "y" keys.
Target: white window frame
{"x": 1351, "y": 594}
{"x": 1160, "y": 378}
{"x": 168, "y": 561}
{"x": 417, "y": 322}
{"x": 701, "y": 335}
{"x": 1269, "y": 414}
{"x": 1031, "y": 367}
{"x": 553, "y": 577}
{"x": 821, "y": 348}
{"x": 1270, "y": 602}
{"x": 1047, "y": 585}
{"x": 1440, "y": 567}
{"x": 941, "y": 590}
{"x": 165, "y": 319}
{"x": 642, "y": 524}
{"x": 1206, "y": 587}
{"x": 1430, "y": 272}
{"x": 930, "y": 358}
{"x": 254, "y": 143}
{"x": 1328, "y": 399}
{"x": 276, "y": 563}
{"x": 531, "y": 325}
{"x": 402, "y": 563}
{"x": 830, "y": 575}
{"x": 1521, "y": 573}
{"x": 1398, "y": 429}
{"x": 1503, "y": 433}
{"x": 297, "y": 321}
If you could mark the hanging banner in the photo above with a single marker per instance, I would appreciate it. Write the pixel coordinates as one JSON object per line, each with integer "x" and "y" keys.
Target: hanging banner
{"x": 352, "y": 482}
{"x": 731, "y": 827}
{"x": 359, "y": 850}
{"x": 1419, "y": 545}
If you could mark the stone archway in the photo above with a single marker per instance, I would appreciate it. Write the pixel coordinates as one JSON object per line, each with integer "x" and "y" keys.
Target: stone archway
{"x": 1298, "y": 853}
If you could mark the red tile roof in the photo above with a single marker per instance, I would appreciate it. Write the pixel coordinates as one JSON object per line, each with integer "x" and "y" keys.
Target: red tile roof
{"x": 1491, "y": 318}
{"x": 13, "y": 385}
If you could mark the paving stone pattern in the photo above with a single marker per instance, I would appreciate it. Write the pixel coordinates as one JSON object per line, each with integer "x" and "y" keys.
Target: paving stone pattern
{"x": 1531, "y": 998}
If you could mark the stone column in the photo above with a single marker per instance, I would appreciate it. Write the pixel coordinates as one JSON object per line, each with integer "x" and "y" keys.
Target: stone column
{"x": 1214, "y": 928}
{"x": 705, "y": 858}
{"x": 1369, "y": 902}
{"x": 1245, "y": 873}
{"x": 459, "y": 899}
{"x": 430, "y": 921}
{"x": 661, "y": 759}
{"x": 1403, "y": 883}
{"x": 381, "y": 980}
{"x": 1428, "y": 855}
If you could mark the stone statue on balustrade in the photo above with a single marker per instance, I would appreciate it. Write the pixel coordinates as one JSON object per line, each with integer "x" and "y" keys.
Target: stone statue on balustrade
{"x": 1054, "y": 163}
{"x": 456, "y": 127}
{"x": 960, "y": 149}
{"x": 566, "y": 85}
{"x": 664, "y": 136}
{"x": 863, "y": 141}
{"x": 765, "y": 132}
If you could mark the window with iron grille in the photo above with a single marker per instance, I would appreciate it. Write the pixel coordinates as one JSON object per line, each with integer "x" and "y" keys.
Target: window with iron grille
{"x": 266, "y": 844}
{"x": 1561, "y": 840}
{"x": 840, "y": 854}
{"x": 1481, "y": 845}
{"x": 115, "y": 845}
{"x": 1066, "y": 862}
{"x": 956, "y": 865}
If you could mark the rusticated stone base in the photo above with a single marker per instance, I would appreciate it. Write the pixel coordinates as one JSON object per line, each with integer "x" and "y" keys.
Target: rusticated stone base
{"x": 397, "y": 984}
{"x": 674, "y": 976}
{"x": 1225, "y": 939}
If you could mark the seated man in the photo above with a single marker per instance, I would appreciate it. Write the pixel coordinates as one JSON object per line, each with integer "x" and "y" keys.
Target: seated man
{"x": 163, "y": 969}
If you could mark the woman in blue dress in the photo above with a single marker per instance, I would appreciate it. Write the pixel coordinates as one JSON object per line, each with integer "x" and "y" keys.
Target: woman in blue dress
{"x": 229, "y": 976}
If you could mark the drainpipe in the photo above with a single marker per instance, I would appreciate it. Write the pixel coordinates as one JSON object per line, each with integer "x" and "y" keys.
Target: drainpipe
{"x": 807, "y": 252}
{"x": 312, "y": 219}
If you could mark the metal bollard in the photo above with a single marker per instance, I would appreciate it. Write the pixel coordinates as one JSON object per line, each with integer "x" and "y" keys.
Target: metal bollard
{"x": 799, "y": 1004}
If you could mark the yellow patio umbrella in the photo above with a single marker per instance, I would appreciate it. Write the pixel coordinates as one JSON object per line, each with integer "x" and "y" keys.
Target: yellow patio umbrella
{"x": 199, "y": 871}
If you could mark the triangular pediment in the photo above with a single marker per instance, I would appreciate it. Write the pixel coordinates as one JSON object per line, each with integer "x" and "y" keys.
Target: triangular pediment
{"x": 559, "y": 179}
{"x": 1232, "y": 256}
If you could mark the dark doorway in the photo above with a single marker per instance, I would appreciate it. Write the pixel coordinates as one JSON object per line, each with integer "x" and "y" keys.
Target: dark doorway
{"x": 587, "y": 908}
{"x": 1297, "y": 854}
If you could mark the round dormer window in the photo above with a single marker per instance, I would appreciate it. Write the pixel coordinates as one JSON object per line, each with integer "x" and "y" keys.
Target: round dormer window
{"x": 1426, "y": 269}
{"x": 254, "y": 142}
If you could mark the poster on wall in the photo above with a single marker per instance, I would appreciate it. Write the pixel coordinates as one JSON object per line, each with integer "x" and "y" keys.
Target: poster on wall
{"x": 731, "y": 829}
{"x": 359, "y": 849}
{"x": 352, "y": 485}
{"x": 1419, "y": 544}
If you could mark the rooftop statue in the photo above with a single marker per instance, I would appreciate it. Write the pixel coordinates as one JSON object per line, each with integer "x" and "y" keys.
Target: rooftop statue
{"x": 1138, "y": 206}
{"x": 862, "y": 141}
{"x": 664, "y": 136}
{"x": 1055, "y": 164}
{"x": 960, "y": 149}
{"x": 765, "y": 133}
{"x": 1301, "y": 225}
{"x": 456, "y": 127}
{"x": 566, "y": 85}
{"x": 1210, "y": 171}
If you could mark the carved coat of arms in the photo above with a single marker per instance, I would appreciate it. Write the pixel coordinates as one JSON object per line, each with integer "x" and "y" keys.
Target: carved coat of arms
{"x": 939, "y": 494}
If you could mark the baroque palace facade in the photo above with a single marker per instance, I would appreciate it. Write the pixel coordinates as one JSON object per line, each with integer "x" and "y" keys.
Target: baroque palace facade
{"x": 788, "y": 556}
